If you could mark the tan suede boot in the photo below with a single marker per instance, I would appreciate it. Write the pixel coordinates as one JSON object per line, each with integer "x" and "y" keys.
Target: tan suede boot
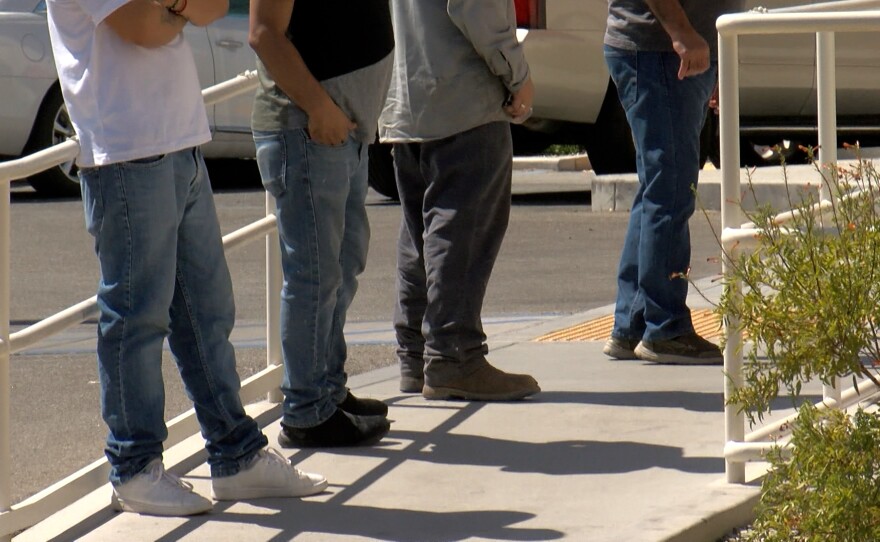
{"x": 486, "y": 384}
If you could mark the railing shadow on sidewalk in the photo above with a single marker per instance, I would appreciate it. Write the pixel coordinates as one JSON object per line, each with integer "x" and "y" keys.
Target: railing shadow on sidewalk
{"x": 686, "y": 400}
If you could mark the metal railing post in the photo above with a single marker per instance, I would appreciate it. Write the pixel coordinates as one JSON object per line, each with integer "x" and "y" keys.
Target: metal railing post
{"x": 5, "y": 382}
{"x": 826, "y": 81}
{"x": 274, "y": 279}
{"x": 731, "y": 218}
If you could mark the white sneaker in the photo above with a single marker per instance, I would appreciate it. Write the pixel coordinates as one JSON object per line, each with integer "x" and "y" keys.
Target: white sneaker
{"x": 157, "y": 492}
{"x": 269, "y": 475}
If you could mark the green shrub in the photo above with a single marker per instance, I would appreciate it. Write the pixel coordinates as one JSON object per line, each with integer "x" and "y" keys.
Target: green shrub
{"x": 829, "y": 490}
{"x": 810, "y": 308}
{"x": 810, "y": 294}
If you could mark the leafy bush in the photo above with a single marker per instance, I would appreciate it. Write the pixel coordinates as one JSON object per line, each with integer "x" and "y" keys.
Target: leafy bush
{"x": 810, "y": 306}
{"x": 829, "y": 490}
{"x": 810, "y": 293}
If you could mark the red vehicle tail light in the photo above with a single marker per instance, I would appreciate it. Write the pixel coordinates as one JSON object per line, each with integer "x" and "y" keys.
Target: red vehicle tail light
{"x": 529, "y": 13}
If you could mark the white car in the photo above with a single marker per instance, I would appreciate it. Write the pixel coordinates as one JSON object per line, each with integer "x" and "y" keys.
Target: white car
{"x": 575, "y": 100}
{"x": 32, "y": 113}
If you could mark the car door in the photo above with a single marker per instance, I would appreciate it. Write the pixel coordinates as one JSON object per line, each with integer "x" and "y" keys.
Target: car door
{"x": 232, "y": 56}
{"x": 776, "y": 71}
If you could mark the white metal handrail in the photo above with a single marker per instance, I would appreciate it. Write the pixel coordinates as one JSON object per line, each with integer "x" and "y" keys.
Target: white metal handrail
{"x": 265, "y": 383}
{"x": 824, "y": 20}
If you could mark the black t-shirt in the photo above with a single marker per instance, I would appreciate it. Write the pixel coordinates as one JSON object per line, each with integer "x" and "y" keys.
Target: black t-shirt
{"x": 336, "y": 37}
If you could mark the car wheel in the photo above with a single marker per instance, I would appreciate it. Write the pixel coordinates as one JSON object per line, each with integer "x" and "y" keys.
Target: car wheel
{"x": 610, "y": 145}
{"x": 710, "y": 142}
{"x": 381, "y": 171}
{"x": 53, "y": 126}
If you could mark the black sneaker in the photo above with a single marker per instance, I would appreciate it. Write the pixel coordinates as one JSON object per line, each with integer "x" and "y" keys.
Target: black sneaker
{"x": 340, "y": 429}
{"x": 363, "y": 407}
{"x": 618, "y": 348}
{"x": 690, "y": 349}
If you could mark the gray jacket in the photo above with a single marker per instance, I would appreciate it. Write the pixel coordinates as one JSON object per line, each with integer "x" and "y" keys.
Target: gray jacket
{"x": 455, "y": 62}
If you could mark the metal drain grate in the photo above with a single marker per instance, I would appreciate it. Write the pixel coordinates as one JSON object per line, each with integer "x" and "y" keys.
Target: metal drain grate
{"x": 706, "y": 323}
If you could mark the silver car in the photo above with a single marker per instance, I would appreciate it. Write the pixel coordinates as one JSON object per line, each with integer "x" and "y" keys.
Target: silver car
{"x": 32, "y": 113}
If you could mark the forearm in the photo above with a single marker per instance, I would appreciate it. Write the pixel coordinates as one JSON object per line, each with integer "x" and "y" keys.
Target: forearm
{"x": 199, "y": 12}
{"x": 287, "y": 68}
{"x": 673, "y": 18}
{"x": 145, "y": 23}
{"x": 491, "y": 28}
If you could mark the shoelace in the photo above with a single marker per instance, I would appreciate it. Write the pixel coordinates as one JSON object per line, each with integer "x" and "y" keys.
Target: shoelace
{"x": 158, "y": 474}
{"x": 280, "y": 463}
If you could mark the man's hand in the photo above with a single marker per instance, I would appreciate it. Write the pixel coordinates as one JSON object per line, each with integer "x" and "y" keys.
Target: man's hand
{"x": 328, "y": 125}
{"x": 693, "y": 51}
{"x": 267, "y": 36}
{"x": 713, "y": 100}
{"x": 690, "y": 46}
{"x": 520, "y": 106}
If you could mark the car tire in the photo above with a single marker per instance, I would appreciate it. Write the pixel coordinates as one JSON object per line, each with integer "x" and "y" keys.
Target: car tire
{"x": 51, "y": 127}
{"x": 710, "y": 147}
{"x": 710, "y": 141}
{"x": 610, "y": 146}
{"x": 381, "y": 170}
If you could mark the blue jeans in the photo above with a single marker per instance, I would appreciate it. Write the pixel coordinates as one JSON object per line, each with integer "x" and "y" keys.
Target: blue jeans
{"x": 666, "y": 116}
{"x": 163, "y": 274}
{"x": 319, "y": 193}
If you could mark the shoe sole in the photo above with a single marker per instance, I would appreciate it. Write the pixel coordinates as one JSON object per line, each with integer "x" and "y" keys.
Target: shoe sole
{"x": 440, "y": 393}
{"x": 618, "y": 352}
{"x": 238, "y": 494}
{"x": 286, "y": 442}
{"x": 672, "y": 359}
{"x": 159, "y": 510}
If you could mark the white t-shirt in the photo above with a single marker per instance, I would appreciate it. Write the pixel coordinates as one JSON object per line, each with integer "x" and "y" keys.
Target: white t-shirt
{"x": 125, "y": 101}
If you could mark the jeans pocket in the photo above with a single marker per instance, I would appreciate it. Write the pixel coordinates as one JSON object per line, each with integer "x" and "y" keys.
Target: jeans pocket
{"x": 312, "y": 143}
{"x": 623, "y": 68}
{"x": 93, "y": 200}
{"x": 148, "y": 160}
{"x": 271, "y": 161}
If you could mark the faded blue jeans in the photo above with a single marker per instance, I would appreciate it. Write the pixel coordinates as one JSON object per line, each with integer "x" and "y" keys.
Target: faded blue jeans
{"x": 319, "y": 193}
{"x": 666, "y": 116}
{"x": 163, "y": 274}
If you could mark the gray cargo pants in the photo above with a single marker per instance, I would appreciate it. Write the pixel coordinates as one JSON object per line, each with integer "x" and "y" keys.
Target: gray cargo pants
{"x": 455, "y": 196}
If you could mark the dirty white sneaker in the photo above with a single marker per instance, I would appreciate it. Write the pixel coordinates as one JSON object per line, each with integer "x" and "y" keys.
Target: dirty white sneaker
{"x": 269, "y": 475}
{"x": 155, "y": 491}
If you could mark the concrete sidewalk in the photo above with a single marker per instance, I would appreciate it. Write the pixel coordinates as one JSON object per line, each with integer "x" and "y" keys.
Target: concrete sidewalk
{"x": 617, "y": 451}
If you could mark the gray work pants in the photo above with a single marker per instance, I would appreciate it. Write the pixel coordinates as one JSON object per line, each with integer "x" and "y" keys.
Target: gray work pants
{"x": 455, "y": 196}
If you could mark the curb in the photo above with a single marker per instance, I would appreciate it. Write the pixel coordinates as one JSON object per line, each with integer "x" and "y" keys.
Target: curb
{"x": 574, "y": 162}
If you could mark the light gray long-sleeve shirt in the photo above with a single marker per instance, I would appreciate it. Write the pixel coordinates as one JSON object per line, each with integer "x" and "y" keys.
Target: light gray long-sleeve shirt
{"x": 455, "y": 62}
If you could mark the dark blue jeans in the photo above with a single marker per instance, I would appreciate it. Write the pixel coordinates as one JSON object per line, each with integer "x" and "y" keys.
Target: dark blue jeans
{"x": 666, "y": 116}
{"x": 455, "y": 196}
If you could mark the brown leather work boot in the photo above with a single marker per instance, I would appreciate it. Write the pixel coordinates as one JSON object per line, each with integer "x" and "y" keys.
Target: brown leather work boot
{"x": 486, "y": 384}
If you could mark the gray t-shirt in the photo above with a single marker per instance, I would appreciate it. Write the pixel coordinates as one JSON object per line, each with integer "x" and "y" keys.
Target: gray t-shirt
{"x": 360, "y": 94}
{"x": 632, "y": 25}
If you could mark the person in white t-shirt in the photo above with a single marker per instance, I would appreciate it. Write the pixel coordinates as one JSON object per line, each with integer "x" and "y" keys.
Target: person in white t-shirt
{"x": 132, "y": 92}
